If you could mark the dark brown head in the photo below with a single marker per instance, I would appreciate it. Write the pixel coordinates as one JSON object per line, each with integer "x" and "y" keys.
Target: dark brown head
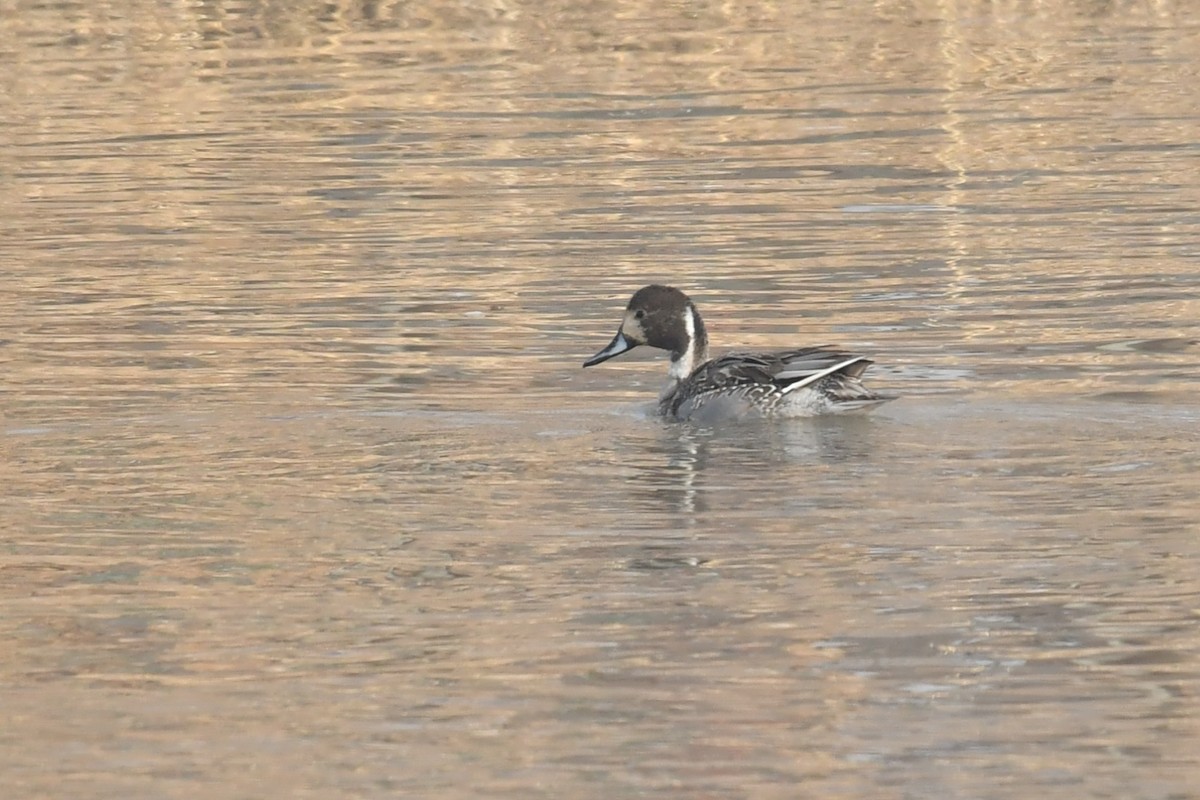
{"x": 662, "y": 317}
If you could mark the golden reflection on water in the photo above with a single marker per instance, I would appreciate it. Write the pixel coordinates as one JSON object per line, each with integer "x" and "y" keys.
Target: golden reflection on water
{"x": 304, "y": 487}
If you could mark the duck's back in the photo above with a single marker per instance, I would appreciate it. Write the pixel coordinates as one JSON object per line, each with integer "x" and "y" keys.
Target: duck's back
{"x": 789, "y": 383}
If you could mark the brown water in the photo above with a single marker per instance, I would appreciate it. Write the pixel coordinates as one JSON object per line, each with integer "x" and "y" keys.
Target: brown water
{"x": 306, "y": 495}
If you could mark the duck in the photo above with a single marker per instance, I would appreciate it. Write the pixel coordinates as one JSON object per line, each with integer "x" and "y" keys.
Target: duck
{"x": 804, "y": 382}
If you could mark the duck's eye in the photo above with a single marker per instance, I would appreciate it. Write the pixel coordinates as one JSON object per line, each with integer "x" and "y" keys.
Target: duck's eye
{"x": 639, "y": 314}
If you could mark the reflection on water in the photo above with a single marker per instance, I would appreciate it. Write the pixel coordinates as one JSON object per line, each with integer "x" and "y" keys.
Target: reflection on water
{"x": 304, "y": 487}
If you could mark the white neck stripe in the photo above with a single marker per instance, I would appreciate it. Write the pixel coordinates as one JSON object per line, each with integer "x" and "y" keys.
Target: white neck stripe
{"x": 682, "y": 367}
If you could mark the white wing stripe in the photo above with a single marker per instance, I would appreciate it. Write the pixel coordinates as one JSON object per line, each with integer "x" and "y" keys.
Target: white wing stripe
{"x": 816, "y": 376}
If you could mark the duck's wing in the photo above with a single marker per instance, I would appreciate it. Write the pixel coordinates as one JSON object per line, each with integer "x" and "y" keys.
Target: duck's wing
{"x": 808, "y": 366}
{"x": 791, "y": 383}
{"x": 787, "y": 370}
{"x": 830, "y": 374}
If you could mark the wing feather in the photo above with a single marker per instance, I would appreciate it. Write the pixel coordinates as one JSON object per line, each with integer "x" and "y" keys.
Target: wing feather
{"x": 831, "y": 373}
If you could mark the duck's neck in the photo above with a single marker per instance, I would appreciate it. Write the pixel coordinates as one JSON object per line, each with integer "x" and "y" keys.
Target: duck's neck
{"x": 694, "y": 352}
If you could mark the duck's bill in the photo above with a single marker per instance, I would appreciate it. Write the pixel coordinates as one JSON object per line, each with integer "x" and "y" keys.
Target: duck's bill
{"x": 618, "y": 345}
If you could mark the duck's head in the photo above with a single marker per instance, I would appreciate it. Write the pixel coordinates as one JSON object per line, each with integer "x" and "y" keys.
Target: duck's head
{"x": 662, "y": 317}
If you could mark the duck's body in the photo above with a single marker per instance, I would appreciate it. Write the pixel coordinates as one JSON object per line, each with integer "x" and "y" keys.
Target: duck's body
{"x": 790, "y": 383}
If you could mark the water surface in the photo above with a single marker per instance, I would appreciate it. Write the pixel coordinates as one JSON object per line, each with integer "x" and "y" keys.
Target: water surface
{"x": 306, "y": 493}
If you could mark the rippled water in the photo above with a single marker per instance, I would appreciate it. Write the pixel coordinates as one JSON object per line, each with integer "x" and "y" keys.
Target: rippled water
{"x": 306, "y": 494}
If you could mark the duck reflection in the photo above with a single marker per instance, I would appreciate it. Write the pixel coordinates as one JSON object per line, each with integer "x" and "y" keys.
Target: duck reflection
{"x": 683, "y": 471}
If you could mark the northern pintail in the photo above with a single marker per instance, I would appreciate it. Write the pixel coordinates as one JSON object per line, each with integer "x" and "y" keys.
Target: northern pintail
{"x": 788, "y": 383}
